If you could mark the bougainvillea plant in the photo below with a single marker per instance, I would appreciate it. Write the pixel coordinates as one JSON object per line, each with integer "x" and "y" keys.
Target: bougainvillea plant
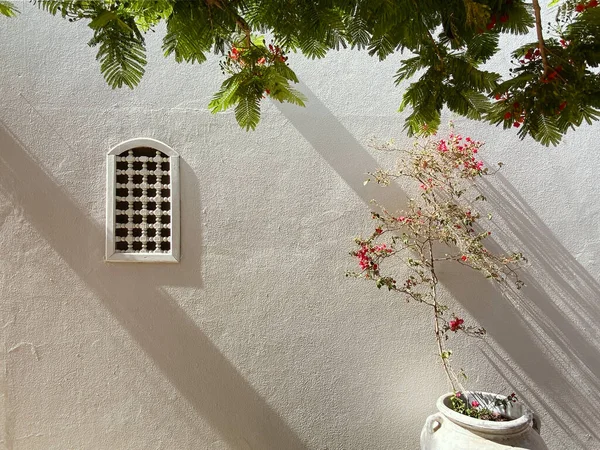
{"x": 444, "y": 222}
{"x": 461, "y": 403}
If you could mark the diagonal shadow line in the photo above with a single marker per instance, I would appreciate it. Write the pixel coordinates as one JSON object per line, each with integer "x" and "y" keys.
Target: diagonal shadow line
{"x": 555, "y": 376}
{"x": 548, "y": 252}
{"x": 184, "y": 354}
{"x": 349, "y": 159}
{"x": 537, "y": 335}
{"x": 502, "y": 367}
{"x": 564, "y": 277}
{"x": 340, "y": 150}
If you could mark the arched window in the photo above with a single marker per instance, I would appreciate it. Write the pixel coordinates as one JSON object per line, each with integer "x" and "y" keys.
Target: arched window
{"x": 142, "y": 202}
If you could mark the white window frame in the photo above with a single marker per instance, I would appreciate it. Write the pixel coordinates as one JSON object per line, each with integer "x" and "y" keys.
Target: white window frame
{"x": 173, "y": 256}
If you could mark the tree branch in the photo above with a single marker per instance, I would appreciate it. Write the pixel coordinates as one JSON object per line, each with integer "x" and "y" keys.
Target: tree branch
{"x": 540, "y": 36}
{"x": 239, "y": 20}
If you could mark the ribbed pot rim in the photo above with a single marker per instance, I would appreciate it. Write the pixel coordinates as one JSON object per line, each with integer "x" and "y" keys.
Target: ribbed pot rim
{"x": 522, "y": 417}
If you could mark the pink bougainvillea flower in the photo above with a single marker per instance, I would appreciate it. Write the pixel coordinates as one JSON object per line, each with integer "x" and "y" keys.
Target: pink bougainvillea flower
{"x": 455, "y": 324}
{"x": 474, "y": 403}
{"x": 382, "y": 248}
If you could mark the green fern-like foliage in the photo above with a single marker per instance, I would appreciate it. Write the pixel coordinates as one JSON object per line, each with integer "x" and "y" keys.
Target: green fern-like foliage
{"x": 256, "y": 72}
{"x": 546, "y": 101}
{"x": 121, "y": 52}
{"x": 195, "y": 28}
{"x": 446, "y": 42}
{"x": 121, "y": 46}
{"x": 7, "y": 9}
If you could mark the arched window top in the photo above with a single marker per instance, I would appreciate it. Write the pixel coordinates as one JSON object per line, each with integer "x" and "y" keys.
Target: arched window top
{"x": 142, "y": 202}
{"x": 142, "y": 142}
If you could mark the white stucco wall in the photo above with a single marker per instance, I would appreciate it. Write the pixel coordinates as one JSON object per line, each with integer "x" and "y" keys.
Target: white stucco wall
{"x": 256, "y": 340}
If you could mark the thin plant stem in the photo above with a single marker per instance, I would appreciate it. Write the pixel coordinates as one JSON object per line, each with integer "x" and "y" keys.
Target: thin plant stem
{"x": 436, "y": 314}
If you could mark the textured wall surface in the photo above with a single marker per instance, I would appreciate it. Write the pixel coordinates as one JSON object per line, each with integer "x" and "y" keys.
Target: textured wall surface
{"x": 256, "y": 340}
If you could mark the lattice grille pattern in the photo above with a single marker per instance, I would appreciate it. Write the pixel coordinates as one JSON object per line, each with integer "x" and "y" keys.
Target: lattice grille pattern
{"x": 143, "y": 202}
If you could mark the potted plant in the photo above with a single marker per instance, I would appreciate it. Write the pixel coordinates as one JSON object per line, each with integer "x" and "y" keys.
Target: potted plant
{"x": 444, "y": 223}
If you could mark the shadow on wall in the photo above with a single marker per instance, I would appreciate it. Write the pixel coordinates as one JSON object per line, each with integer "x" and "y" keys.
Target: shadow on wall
{"x": 133, "y": 295}
{"x": 340, "y": 150}
{"x": 541, "y": 327}
{"x": 560, "y": 301}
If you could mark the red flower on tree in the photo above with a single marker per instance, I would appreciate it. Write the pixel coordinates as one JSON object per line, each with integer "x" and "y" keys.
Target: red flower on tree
{"x": 234, "y": 54}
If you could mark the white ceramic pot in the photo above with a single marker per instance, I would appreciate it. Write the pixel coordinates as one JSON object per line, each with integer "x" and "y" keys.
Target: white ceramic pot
{"x": 449, "y": 430}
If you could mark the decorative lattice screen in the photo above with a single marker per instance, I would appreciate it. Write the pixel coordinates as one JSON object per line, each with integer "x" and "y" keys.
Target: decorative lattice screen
{"x": 142, "y": 202}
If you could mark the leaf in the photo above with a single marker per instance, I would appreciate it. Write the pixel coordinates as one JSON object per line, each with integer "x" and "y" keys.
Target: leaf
{"x": 102, "y": 19}
{"x": 482, "y": 47}
{"x": 477, "y": 101}
{"x": 357, "y": 33}
{"x": 408, "y": 68}
{"x": 247, "y": 112}
{"x": 7, "y": 9}
{"x": 190, "y": 33}
{"x": 547, "y": 131}
{"x": 226, "y": 97}
{"x": 446, "y": 354}
{"x": 465, "y": 74}
{"x": 590, "y": 114}
{"x": 313, "y": 48}
{"x": 296, "y": 97}
{"x": 381, "y": 46}
{"x": 122, "y": 54}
